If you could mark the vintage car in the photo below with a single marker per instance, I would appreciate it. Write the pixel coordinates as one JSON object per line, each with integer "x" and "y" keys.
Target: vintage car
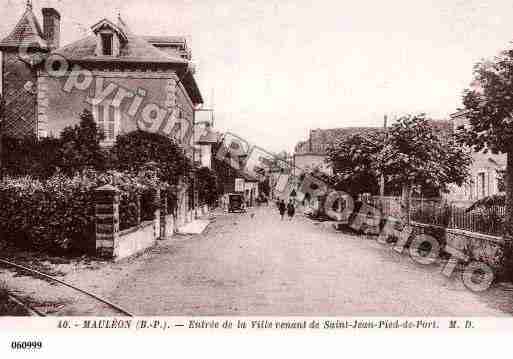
{"x": 236, "y": 203}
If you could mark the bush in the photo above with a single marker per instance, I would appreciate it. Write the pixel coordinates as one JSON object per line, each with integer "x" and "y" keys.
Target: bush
{"x": 438, "y": 214}
{"x": 29, "y": 156}
{"x": 505, "y": 262}
{"x": 47, "y": 215}
{"x": 129, "y": 210}
{"x": 77, "y": 148}
{"x": 135, "y": 150}
{"x": 57, "y": 214}
{"x": 80, "y": 146}
{"x": 172, "y": 201}
{"x": 206, "y": 181}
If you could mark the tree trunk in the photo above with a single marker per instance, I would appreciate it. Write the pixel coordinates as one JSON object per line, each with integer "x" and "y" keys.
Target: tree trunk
{"x": 508, "y": 225}
{"x": 406, "y": 194}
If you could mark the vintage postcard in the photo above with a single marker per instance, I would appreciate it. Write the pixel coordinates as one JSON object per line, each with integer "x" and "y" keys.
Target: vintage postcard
{"x": 255, "y": 166}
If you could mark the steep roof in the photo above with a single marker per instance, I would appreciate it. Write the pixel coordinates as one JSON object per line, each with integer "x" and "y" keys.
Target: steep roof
{"x": 210, "y": 137}
{"x": 27, "y": 32}
{"x": 165, "y": 39}
{"x": 321, "y": 139}
{"x": 172, "y": 45}
{"x": 135, "y": 50}
{"x": 247, "y": 177}
{"x": 459, "y": 113}
{"x": 331, "y": 135}
{"x": 442, "y": 127}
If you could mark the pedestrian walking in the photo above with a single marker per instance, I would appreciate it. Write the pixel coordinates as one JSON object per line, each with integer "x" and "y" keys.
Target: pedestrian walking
{"x": 291, "y": 210}
{"x": 282, "y": 208}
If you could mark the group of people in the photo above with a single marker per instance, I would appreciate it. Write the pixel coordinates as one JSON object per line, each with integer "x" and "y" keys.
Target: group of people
{"x": 289, "y": 208}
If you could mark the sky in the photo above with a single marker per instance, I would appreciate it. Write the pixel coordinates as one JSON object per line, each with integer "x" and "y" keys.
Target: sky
{"x": 273, "y": 70}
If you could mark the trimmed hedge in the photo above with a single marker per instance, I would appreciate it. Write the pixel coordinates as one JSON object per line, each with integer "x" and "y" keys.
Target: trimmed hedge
{"x": 47, "y": 192}
{"x": 47, "y": 215}
{"x": 30, "y": 156}
{"x": 57, "y": 214}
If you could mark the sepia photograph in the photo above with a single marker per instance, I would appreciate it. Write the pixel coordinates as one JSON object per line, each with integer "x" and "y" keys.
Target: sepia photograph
{"x": 256, "y": 165}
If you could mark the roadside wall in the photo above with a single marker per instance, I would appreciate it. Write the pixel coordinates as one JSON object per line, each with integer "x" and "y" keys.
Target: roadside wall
{"x": 477, "y": 246}
{"x": 135, "y": 240}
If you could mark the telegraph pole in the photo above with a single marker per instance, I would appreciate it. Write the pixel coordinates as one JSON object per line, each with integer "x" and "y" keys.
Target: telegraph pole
{"x": 382, "y": 179}
{"x": 195, "y": 173}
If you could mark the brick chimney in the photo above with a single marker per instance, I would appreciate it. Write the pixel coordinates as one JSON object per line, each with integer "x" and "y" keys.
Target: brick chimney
{"x": 52, "y": 27}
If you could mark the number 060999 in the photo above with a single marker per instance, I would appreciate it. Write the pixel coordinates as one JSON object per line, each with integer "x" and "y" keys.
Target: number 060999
{"x": 22, "y": 345}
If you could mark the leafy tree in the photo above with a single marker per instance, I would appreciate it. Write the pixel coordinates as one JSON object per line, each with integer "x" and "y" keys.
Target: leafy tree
{"x": 280, "y": 163}
{"x": 283, "y": 155}
{"x": 135, "y": 150}
{"x": 2, "y": 105}
{"x": 489, "y": 112}
{"x": 2, "y": 109}
{"x": 29, "y": 156}
{"x": 496, "y": 200}
{"x": 206, "y": 181}
{"x": 80, "y": 146}
{"x": 264, "y": 187}
{"x": 224, "y": 171}
{"x": 415, "y": 155}
{"x": 352, "y": 159}
{"x": 2, "y": 112}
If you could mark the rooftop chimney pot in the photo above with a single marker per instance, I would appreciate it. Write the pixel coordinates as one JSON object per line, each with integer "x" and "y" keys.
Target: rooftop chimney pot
{"x": 52, "y": 27}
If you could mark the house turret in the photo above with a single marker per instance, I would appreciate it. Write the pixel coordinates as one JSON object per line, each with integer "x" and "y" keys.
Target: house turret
{"x": 22, "y": 50}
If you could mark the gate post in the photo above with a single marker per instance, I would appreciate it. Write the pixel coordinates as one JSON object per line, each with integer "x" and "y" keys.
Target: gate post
{"x": 164, "y": 225}
{"x": 107, "y": 220}
{"x": 156, "y": 214}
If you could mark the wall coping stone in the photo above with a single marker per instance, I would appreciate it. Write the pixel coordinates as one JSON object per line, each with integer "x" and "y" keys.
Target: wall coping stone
{"x": 134, "y": 229}
{"x": 486, "y": 237}
{"x": 107, "y": 187}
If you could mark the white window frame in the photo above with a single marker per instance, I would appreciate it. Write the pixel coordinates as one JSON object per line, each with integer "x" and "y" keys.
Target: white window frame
{"x": 101, "y": 114}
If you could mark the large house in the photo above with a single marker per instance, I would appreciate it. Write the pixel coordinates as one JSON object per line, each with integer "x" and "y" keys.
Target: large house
{"x": 486, "y": 171}
{"x": 126, "y": 80}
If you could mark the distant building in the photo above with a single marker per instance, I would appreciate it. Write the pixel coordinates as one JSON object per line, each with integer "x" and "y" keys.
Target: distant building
{"x": 205, "y": 142}
{"x": 312, "y": 153}
{"x": 486, "y": 172}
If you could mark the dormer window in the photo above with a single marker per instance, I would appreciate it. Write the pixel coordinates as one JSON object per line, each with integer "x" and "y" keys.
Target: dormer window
{"x": 110, "y": 38}
{"x": 107, "y": 44}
